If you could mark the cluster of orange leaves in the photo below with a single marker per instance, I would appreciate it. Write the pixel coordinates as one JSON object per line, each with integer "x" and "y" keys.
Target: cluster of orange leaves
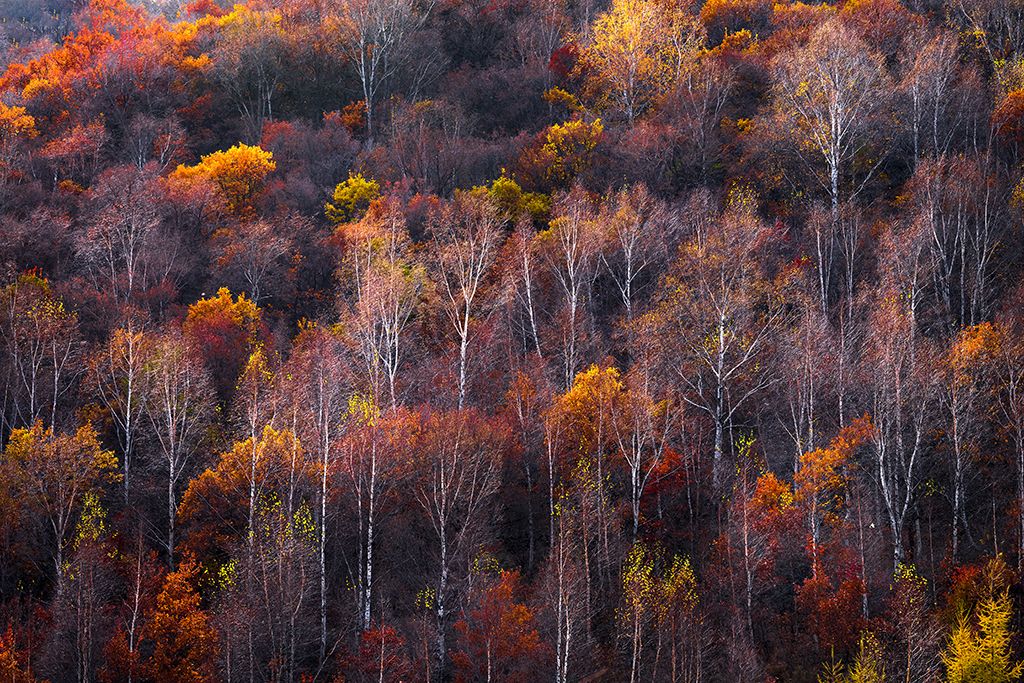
{"x": 821, "y": 470}
{"x": 113, "y": 34}
{"x": 238, "y": 173}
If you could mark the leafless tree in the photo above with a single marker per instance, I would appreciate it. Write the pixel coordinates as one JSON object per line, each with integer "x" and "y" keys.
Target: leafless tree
{"x": 829, "y": 95}
{"x": 178, "y": 404}
{"x": 466, "y": 236}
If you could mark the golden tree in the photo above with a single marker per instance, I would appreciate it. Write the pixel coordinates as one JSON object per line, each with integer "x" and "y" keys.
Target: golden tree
{"x": 981, "y": 651}
{"x": 238, "y": 173}
{"x": 52, "y": 473}
{"x": 185, "y": 644}
{"x": 636, "y": 49}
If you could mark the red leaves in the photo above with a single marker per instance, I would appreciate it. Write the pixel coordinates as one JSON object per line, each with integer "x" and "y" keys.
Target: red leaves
{"x": 563, "y": 60}
{"x": 498, "y": 639}
{"x": 225, "y": 330}
{"x": 381, "y": 657}
{"x": 832, "y": 609}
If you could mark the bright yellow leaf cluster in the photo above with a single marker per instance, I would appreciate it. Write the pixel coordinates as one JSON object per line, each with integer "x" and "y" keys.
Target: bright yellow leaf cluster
{"x": 238, "y": 173}
{"x": 351, "y": 199}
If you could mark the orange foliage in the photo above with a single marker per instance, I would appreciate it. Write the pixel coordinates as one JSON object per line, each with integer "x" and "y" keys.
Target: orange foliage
{"x": 1008, "y": 117}
{"x": 238, "y": 173}
{"x": 821, "y": 480}
{"x": 499, "y": 636}
{"x": 974, "y": 346}
{"x": 821, "y": 469}
{"x": 353, "y": 117}
{"x": 225, "y": 330}
{"x": 16, "y": 126}
{"x": 215, "y": 506}
{"x": 115, "y": 35}
{"x": 13, "y": 667}
{"x": 15, "y": 122}
{"x": 771, "y": 495}
{"x": 185, "y": 644}
{"x": 585, "y": 411}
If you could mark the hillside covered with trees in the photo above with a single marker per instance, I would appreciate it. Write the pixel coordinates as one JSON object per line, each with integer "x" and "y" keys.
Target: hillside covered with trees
{"x": 511, "y": 341}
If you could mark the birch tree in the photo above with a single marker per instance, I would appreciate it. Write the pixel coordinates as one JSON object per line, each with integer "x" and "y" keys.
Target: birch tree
{"x": 466, "y": 236}
{"x": 458, "y": 463}
{"x": 178, "y": 406}
{"x": 829, "y": 95}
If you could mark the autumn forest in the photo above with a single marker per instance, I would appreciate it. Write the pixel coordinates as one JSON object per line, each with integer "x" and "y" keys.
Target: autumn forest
{"x": 594, "y": 341}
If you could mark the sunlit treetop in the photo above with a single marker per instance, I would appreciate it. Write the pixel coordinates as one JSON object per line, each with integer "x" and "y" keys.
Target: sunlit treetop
{"x": 240, "y": 312}
{"x": 14, "y": 121}
{"x": 112, "y": 35}
{"x": 239, "y": 174}
{"x": 352, "y": 198}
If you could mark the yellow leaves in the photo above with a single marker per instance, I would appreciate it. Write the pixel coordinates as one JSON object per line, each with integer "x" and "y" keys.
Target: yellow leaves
{"x": 636, "y": 49}
{"x": 906, "y": 575}
{"x": 772, "y": 493}
{"x": 15, "y": 122}
{"x": 240, "y": 15}
{"x": 743, "y": 126}
{"x": 743, "y": 41}
{"x": 559, "y": 96}
{"x": 568, "y": 148}
{"x": 1017, "y": 198}
{"x": 241, "y": 311}
{"x": 592, "y": 382}
{"x": 92, "y": 523}
{"x": 37, "y": 87}
{"x": 680, "y": 583}
{"x": 868, "y": 665}
{"x": 486, "y": 563}
{"x": 197, "y": 63}
{"x": 351, "y": 199}
{"x": 227, "y": 574}
{"x": 303, "y": 526}
{"x": 257, "y": 370}
{"x": 54, "y": 465}
{"x": 511, "y": 202}
{"x": 426, "y": 598}
{"x": 649, "y": 587}
{"x": 238, "y": 172}
{"x": 730, "y": 17}
{"x": 742, "y": 199}
{"x": 573, "y": 136}
{"x": 363, "y": 409}
{"x": 638, "y": 577}
{"x": 587, "y": 404}
{"x": 982, "y": 652}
